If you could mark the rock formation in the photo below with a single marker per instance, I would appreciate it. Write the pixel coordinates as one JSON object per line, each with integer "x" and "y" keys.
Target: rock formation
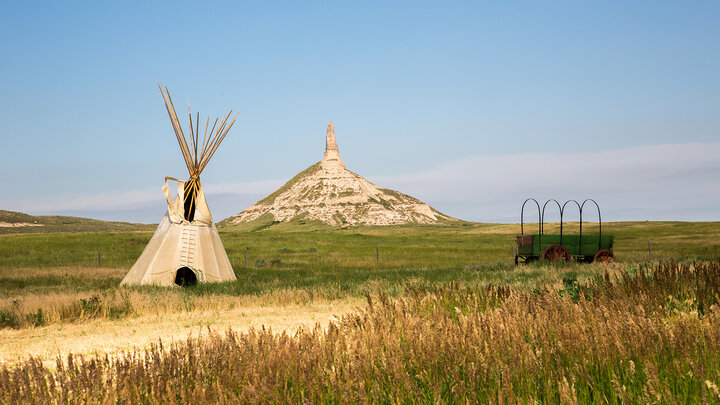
{"x": 328, "y": 192}
{"x": 332, "y": 159}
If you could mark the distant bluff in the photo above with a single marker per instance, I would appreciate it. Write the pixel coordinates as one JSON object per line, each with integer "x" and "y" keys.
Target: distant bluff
{"x": 329, "y": 192}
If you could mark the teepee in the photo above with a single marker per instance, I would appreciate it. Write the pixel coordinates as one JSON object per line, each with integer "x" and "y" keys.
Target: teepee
{"x": 186, "y": 248}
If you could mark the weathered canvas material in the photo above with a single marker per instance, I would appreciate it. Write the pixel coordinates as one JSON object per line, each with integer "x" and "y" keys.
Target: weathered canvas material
{"x": 175, "y": 207}
{"x": 178, "y": 243}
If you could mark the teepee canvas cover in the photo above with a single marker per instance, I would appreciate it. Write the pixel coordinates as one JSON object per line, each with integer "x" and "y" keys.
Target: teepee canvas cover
{"x": 186, "y": 248}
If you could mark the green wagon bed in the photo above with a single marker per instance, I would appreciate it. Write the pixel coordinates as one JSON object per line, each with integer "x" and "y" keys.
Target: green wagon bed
{"x": 583, "y": 249}
{"x": 580, "y": 247}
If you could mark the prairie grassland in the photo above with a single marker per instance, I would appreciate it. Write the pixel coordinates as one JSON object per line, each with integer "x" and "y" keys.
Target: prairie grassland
{"x": 649, "y": 337}
{"x": 86, "y": 295}
{"x": 54, "y": 278}
{"x": 434, "y": 328}
{"x": 399, "y": 246}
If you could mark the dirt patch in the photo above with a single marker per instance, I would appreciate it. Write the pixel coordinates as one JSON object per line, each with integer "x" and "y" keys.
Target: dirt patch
{"x": 113, "y": 337}
{"x": 17, "y": 224}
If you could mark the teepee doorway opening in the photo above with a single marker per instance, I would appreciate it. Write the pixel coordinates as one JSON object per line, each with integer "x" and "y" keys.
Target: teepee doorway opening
{"x": 185, "y": 277}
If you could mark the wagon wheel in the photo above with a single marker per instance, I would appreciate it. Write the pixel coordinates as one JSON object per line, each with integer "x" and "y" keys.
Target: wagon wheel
{"x": 604, "y": 256}
{"x": 556, "y": 253}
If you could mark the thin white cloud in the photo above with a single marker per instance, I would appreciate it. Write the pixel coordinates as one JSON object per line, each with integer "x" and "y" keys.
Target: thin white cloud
{"x": 650, "y": 182}
{"x": 112, "y": 200}
{"x": 102, "y": 205}
{"x": 660, "y": 182}
{"x": 253, "y": 187}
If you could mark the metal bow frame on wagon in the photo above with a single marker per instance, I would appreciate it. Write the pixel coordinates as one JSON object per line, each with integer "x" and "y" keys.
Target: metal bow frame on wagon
{"x": 560, "y": 251}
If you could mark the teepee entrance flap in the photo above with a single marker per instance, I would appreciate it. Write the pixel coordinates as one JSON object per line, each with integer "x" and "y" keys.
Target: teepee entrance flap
{"x": 177, "y": 207}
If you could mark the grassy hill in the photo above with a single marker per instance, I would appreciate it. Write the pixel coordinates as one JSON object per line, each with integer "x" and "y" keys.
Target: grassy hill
{"x": 17, "y": 222}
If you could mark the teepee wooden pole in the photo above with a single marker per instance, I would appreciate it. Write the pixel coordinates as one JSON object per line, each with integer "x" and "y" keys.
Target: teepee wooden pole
{"x": 219, "y": 141}
{"x": 192, "y": 136}
{"x": 213, "y": 140}
{"x": 207, "y": 124}
{"x": 196, "y": 159}
{"x": 222, "y": 137}
{"x": 197, "y": 134}
{"x": 175, "y": 123}
{"x": 179, "y": 132}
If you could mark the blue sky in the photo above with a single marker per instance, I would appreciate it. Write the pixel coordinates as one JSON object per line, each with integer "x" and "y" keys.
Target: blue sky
{"x": 423, "y": 96}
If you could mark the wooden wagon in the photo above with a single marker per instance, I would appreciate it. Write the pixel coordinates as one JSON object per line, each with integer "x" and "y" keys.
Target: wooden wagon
{"x": 563, "y": 247}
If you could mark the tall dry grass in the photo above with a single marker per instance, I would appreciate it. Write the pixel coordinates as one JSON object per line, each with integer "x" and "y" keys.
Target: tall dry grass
{"x": 39, "y": 297}
{"x": 652, "y": 337}
{"x": 33, "y": 310}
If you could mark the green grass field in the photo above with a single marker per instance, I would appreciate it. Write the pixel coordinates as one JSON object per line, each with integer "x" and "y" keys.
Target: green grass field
{"x": 438, "y": 290}
{"x": 341, "y": 260}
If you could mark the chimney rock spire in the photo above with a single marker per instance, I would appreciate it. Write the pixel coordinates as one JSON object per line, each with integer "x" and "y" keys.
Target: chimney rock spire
{"x": 332, "y": 154}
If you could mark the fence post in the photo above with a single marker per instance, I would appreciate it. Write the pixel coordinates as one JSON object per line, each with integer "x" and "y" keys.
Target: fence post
{"x": 377, "y": 253}
{"x": 245, "y": 256}
{"x": 99, "y": 261}
{"x": 649, "y": 251}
